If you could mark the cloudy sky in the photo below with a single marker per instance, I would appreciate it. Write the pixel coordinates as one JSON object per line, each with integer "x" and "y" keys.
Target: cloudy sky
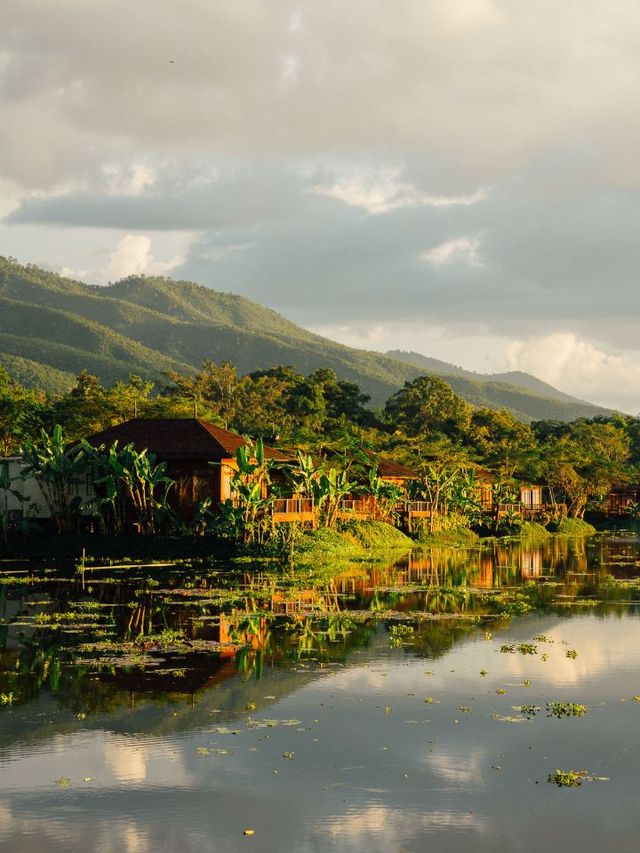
{"x": 457, "y": 177}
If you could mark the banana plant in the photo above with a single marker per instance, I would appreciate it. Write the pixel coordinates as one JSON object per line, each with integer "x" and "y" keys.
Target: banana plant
{"x": 248, "y": 511}
{"x": 128, "y": 477}
{"x": 5, "y": 490}
{"x": 386, "y": 496}
{"x": 57, "y": 470}
{"x": 331, "y": 487}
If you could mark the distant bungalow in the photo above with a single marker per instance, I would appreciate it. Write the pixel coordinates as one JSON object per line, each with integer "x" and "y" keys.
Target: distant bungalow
{"x": 201, "y": 460}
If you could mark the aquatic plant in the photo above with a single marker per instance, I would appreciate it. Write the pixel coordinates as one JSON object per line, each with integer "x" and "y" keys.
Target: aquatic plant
{"x": 567, "y": 778}
{"x": 566, "y": 709}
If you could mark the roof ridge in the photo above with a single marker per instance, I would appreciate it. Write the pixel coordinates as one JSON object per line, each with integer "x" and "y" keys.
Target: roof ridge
{"x": 207, "y": 431}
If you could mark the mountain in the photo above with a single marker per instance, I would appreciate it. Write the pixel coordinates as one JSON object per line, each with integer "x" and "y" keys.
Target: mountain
{"x": 513, "y": 377}
{"x": 52, "y": 327}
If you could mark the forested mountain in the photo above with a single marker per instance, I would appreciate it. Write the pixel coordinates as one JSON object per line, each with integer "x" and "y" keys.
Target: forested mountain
{"x": 52, "y": 327}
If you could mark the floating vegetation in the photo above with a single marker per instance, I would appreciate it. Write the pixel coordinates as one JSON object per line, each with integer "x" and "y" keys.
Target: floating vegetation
{"x": 572, "y": 653}
{"x": 521, "y": 648}
{"x": 528, "y": 710}
{"x": 566, "y": 709}
{"x": 567, "y": 778}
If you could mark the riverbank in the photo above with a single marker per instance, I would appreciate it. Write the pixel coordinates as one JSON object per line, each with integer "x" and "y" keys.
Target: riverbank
{"x": 355, "y": 540}
{"x": 350, "y": 541}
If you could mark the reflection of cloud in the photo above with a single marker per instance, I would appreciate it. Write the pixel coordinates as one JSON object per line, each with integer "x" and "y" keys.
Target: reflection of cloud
{"x": 6, "y": 819}
{"x": 593, "y": 656}
{"x": 133, "y": 840}
{"x": 382, "y": 828}
{"x": 45, "y": 833}
{"x": 463, "y": 769}
{"x": 126, "y": 762}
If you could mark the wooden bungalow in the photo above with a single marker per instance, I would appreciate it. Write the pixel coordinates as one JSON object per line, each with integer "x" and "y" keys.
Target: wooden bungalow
{"x": 189, "y": 446}
{"x": 484, "y": 480}
{"x": 621, "y": 500}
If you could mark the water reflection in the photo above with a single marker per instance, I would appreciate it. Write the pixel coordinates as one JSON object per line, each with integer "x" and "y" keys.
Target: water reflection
{"x": 170, "y": 710}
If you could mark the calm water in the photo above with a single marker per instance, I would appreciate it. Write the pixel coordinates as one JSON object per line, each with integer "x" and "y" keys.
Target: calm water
{"x": 171, "y": 708}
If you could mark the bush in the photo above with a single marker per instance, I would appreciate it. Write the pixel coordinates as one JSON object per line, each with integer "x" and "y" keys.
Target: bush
{"x": 377, "y": 534}
{"x": 533, "y": 531}
{"x": 575, "y": 527}
{"x": 449, "y": 530}
{"x": 351, "y": 541}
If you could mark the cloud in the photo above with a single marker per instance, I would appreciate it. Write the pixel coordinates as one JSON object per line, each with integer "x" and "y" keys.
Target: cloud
{"x": 578, "y": 366}
{"x": 386, "y": 192}
{"x": 460, "y": 249}
{"x": 467, "y": 165}
{"x": 482, "y": 88}
{"x": 132, "y": 256}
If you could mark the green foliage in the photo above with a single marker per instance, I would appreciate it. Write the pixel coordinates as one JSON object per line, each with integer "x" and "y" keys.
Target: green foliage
{"x": 567, "y": 778}
{"x": 427, "y": 405}
{"x": 126, "y": 477}
{"x": 532, "y": 531}
{"x": 377, "y": 535}
{"x": 58, "y": 471}
{"x": 575, "y": 527}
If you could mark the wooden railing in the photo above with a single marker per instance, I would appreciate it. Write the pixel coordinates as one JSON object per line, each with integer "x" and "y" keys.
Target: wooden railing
{"x": 293, "y": 506}
{"x": 356, "y": 506}
{"x": 416, "y": 507}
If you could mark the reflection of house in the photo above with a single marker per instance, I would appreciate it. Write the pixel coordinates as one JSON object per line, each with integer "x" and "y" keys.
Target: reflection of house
{"x": 531, "y": 563}
{"x": 200, "y": 456}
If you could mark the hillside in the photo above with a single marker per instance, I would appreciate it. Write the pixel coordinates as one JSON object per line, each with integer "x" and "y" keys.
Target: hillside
{"x": 51, "y": 327}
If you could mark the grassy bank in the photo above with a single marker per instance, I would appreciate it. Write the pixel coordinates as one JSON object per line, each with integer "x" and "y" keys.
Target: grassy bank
{"x": 449, "y": 531}
{"x": 533, "y": 531}
{"x": 575, "y": 527}
{"x": 355, "y": 540}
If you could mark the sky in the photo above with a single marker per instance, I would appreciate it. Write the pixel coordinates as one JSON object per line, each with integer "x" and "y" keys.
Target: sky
{"x": 456, "y": 177}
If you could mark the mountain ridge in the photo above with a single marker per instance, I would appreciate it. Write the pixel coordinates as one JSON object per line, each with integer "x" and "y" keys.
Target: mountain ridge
{"x": 150, "y": 324}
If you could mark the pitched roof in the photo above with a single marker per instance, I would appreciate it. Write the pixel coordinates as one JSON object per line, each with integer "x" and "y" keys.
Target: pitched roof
{"x": 387, "y": 468}
{"x": 178, "y": 438}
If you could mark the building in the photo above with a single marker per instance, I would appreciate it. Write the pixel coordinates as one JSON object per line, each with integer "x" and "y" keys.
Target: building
{"x": 200, "y": 458}
{"x": 24, "y": 498}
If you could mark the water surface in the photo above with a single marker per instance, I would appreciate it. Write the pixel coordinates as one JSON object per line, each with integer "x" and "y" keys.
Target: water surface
{"x": 293, "y": 704}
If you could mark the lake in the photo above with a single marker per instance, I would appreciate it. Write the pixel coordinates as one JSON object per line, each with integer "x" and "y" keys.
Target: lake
{"x": 411, "y": 707}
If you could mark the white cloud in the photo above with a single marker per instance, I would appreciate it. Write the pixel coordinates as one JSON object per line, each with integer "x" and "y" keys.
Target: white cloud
{"x": 579, "y": 367}
{"x": 128, "y": 180}
{"x": 465, "y": 249}
{"x": 385, "y": 193}
{"x": 132, "y": 256}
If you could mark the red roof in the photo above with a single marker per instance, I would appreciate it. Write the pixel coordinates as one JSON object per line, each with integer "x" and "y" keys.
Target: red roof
{"x": 387, "y": 468}
{"x": 178, "y": 438}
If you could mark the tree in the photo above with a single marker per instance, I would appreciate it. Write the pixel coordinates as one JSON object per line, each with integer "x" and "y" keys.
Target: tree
{"x": 58, "y": 471}
{"x": 427, "y": 405}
